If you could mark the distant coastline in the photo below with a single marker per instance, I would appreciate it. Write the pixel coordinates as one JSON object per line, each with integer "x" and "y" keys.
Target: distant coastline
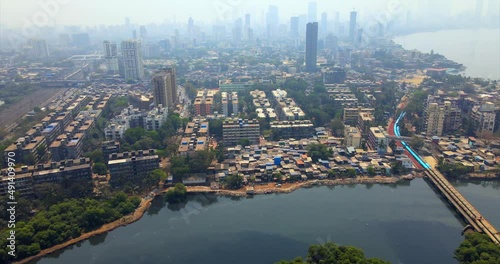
{"x": 403, "y": 34}
{"x": 480, "y": 58}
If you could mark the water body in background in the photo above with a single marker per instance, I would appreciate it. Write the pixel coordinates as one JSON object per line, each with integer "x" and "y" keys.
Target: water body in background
{"x": 484, "y": 196}
{"x": 478, "y": 50}
{"x": 405, "y": 223}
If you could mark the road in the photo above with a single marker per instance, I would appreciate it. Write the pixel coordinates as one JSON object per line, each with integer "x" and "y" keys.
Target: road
{"x": 184, "y": 100}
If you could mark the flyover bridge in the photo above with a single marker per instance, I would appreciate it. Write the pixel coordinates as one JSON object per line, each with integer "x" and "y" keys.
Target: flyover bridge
{"x": 450, "y": 193}
{"x": 462, "y": 206}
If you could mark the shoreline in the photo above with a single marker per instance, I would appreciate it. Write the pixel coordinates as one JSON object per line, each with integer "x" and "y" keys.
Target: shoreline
{"x": 125, "y": 220}
{"x": 269, "y": 188}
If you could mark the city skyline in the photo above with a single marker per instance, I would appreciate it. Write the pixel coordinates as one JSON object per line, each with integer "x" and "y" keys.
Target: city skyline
{"x": 66, "y": 12}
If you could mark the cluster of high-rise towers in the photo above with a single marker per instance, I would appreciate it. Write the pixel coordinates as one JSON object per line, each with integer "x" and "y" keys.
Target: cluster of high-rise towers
{"x": 312, "y": 34}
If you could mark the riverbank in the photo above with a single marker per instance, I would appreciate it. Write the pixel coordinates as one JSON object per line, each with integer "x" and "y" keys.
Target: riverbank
{"x": 126, "y": 220}
{"x": 290, "y": 187}
{"x": 482, "y": 176}
{"x": 258, "y": 189}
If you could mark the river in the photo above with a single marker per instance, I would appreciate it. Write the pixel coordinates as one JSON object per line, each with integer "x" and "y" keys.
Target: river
{"x": 478, "y": 50}
{"x": 405, "y": 223}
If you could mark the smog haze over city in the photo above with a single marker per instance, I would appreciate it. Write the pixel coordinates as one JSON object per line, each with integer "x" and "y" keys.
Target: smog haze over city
{"x": 233, "y": 131}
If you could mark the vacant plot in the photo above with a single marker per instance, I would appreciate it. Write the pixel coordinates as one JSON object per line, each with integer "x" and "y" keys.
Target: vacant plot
{"x": 14, "y": 112}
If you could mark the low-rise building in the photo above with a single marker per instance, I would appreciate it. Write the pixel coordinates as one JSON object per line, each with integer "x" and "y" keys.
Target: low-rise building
{"x": 235, "y": 130}
{"x": 484, "y": 115}
{"x": 377, "y": 139}
{"x": 155, "y": 118}
{"x": 65, "y": 172}
{"x": 131, "y": 166}
{"x": 292, "y": 129}
{"x": 352, "y": 137}
{"x": 110, "y": 147}
{"x": 204, "y": 103}
{"x": 351, "y": 115}
{"x": 51, "y": 131}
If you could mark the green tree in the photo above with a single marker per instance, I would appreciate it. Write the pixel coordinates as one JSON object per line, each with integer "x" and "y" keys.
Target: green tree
{"x": 333, "y": 253}
{"x": 176, "y": 194}
{"x": 201, "y": 160}
{"x": 279, "y": 176}
{"x": 96, "y": 156}
{"x": 319, "y": 151}
{"x": 351, "y": 172}
{"x": 179, "y": 167}
{"x": 234, "y": 181}
{"x": 371, "y": 171}
{"x": 244, "y": 142}
{"x": 416, "y": 143}
{"x": 132, "y": 135}
{"x": 398, "y": 168}
{"x": 215, "y": 128}
{"x": 49, "y": 193}
{"x": 337, "y": 127}
{"x": 220, "y": 153}
{"x": 477, "y": 249}
{"x": 154, "y": 177}
{"x": 100, "y": 168}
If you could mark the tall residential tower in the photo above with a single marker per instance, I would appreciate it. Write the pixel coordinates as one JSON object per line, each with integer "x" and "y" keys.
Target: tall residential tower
{"x": 311, "y": 46}
{"x": 132, "y": 59}
{"x": 164, "y": 88}
{"x": 352, "y": 26}
{"x": 111, "y": 56}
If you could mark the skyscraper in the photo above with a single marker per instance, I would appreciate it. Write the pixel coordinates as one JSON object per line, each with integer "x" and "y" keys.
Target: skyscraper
{"x": 190, "y": 27}
{"x": 294, "y": 26}
{"x": 359, "y": 37}
{"x": 111, "y": 56}
{"x": 324, "y": 24}
{"x": 40, "y": 48}
{"x": 312, "y": 12}
{"x": 127, "y": 23}
{"x": 237, "y": 30}
{"x": 302, "y": 23}
{"x": 272, "y": 21}
{"x": 479, "y": 10}
{"x": 160, "y": 81}
{"x": 247, "y": 20}
{"x": 165, "y": 88}
{"x": 352, "y": 26}
{"x": 143, "y": 32}
{"x": 132, "y": 59}
{"x": 311, "y": 46}
{"x": 247, "y": 31}
{"x": 337, "y": 23}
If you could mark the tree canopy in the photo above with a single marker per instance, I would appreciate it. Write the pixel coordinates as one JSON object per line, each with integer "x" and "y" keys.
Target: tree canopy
{"x": 319, "y": 151}
{"x": 64, "y": 221}
{"x": 477, "y": 249}
{"x": 234, "y": 181}
{"x": 176, "y": 194}
{"x": 333, "y": 253}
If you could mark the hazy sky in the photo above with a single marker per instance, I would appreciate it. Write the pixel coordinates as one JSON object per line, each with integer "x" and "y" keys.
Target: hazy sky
{"x": 14, "y": 13}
